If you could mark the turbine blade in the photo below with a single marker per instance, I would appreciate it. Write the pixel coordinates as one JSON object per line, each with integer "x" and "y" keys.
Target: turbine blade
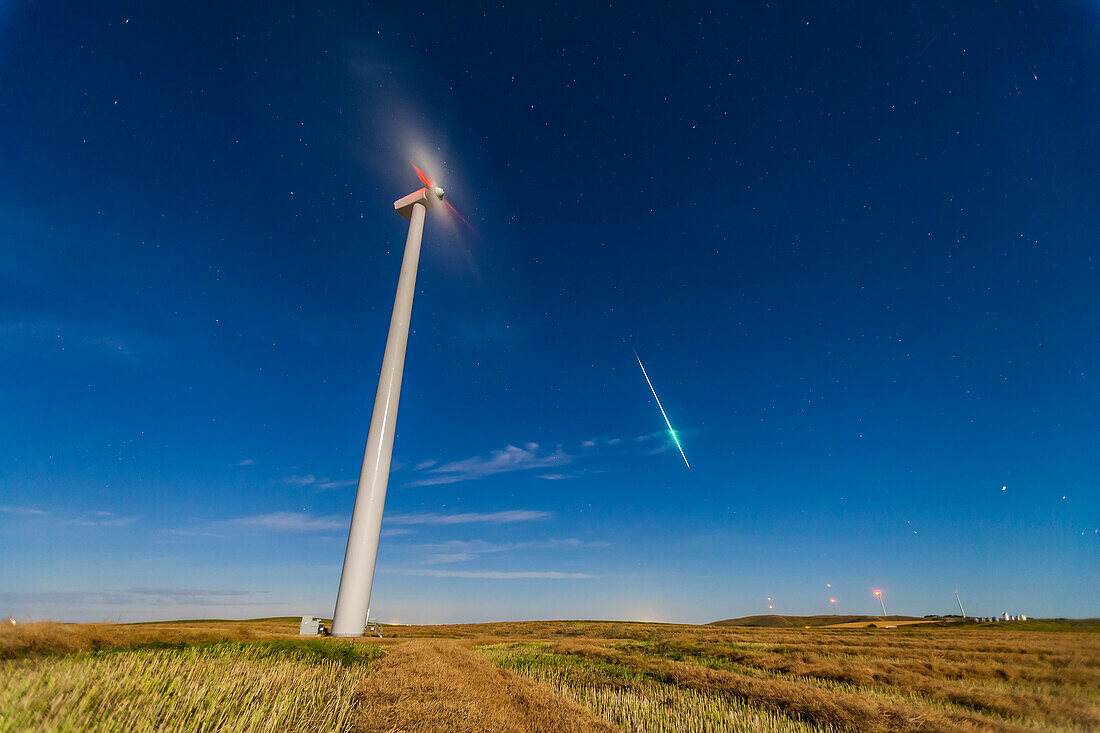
{"x": 420, "y": 174}
{"x": 460, "y": 216}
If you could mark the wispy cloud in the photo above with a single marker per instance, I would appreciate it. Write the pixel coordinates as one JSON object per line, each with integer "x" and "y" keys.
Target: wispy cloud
{"x": 481, "y": 546}
{"x": 339, "y": 484}
{"x": 511, "y": 515}
{"x": 659, "y": 438}
{"x": 72, "y": 339}
{"x": 443, "y": 558}
{"x": 23, "y": 511}
{"x": 101, "y": 519}
{"x": 597, "y": 442}
{"x": 246, "y": 462}
{"x": 191, "y": 533}
{"x": 130, "y": 596}
{"x": 292, "y": 522}
{"x": 488, "y": 574}
{"x": 93, "y": 518}
{"x": 511, "y": 458}
{"x": 465, "y": 550}
{"x": 323, "y": 483}
{"x": 533, "y": 456}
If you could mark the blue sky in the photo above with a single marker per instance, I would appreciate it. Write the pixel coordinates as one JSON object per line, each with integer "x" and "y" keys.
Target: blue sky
{"x": 856, "y": 252}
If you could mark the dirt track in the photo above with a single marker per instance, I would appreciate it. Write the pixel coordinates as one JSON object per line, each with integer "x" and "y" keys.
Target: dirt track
{"x": 441, "y": 685}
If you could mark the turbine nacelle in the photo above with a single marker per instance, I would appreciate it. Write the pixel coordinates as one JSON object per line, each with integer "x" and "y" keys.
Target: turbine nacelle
{"x": 433, "y": 194}
{"x": 429, "y": 196}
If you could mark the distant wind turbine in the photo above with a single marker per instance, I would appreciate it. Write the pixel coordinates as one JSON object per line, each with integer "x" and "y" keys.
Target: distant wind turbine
{"x": 959, "y": 600}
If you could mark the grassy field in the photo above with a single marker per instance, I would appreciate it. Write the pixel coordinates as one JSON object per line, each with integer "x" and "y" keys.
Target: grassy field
{"x": 231, "y": 686}
{"x": 552, "y": 676}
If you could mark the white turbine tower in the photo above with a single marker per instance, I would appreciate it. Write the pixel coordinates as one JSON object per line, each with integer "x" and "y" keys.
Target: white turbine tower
{"x": 357, "y": 577}
{"x": 963, "y": 612}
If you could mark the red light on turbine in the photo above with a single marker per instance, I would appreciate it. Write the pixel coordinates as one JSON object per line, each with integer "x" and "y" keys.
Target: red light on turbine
{"x": 460, "y": 216}
{"x": 420, "y": 174}
{"x": 428, "y": 182}
{"x": 878, "y": 594}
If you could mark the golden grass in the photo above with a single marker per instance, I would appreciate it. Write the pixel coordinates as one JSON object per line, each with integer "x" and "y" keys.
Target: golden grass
{"x": 230, "y": 686}
{"x": 48, "y": 637}
{"x": 587, "y": 676}
{"x": 429, "y": 686}
{"x": 955, "y": 678}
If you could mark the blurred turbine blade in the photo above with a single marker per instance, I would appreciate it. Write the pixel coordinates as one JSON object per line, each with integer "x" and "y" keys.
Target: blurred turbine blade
{"x": 460, "y": 216}
{"x": 420, "y": 174}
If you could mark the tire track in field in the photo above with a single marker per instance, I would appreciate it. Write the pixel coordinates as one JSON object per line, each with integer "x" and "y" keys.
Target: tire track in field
{"x": 438, "y": 686}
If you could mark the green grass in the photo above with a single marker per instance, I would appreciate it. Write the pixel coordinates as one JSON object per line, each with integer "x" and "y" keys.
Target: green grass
{"x": 227, "y": 686}
{"x": 307, "y": 651}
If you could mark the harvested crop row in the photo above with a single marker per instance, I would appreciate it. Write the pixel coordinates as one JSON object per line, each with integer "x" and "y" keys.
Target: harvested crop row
{"x": 1074, "y": 661}
{"x": 635, "y": 702}
{"x": 427, "y": 686}
{"x": 843, "y": 710}
{"x": 926, "y": 677}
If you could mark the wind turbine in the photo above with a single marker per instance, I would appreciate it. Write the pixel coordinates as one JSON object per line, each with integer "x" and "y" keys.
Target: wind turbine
{"x": 878, "y": 595}
{"x": 357, "y": 577}
{"x": 959, "y": 600}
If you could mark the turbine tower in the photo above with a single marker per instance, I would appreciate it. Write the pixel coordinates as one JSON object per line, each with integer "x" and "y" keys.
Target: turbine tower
{"x": 357, "y": 577}
{"x": 960, "y": 603}
{"x": 878, "y": 595}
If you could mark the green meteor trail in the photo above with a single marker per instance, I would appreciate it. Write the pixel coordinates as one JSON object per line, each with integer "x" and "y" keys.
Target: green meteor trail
{"x": 662, "y": 409}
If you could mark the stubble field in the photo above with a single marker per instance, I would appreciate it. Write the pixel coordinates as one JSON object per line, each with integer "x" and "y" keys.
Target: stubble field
{"x": 549, "y": 676}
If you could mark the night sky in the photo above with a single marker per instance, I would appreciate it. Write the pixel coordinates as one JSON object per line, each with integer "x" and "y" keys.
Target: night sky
{"x": 855, "y": 247}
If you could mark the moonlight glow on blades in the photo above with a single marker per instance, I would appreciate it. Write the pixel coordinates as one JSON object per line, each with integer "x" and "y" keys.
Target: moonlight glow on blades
{"x": 427, "y": 182}
{"x": 662, "y": 409}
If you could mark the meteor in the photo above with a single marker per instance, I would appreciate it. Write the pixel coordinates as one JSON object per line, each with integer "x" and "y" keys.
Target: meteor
{"x": 662, "y": 409}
